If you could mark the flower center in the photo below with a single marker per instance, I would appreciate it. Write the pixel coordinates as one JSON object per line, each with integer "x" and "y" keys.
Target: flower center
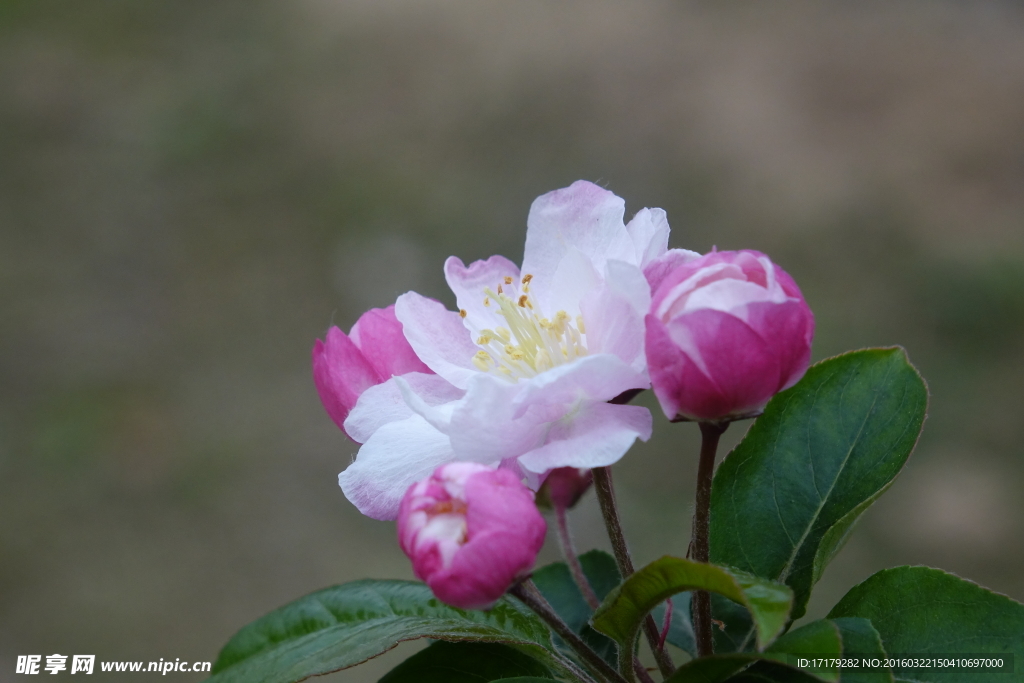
{"x": 531, "y": 343}
{"x": 445, "y": 507}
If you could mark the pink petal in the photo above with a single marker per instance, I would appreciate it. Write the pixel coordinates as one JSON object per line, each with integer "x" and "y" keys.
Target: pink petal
{"x": 504, "y": 534}
{"x": 341, "y": 373}
{"x": 668, "y": 365}
{"x": 378, "y": 334}
{"x": 657, "y": 270}
{"x": 787, "y": 331}
{"x": 726, "y": 368}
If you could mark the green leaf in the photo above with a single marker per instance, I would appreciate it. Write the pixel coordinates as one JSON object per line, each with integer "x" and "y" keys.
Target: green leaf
{"x": 819, "y": 638}
{"x": 861, "y": 638}
{"x": 466, "y": 663}
{"x": 713, "y": 669}
{"x": 858, "y": 637}
{"x": 623, "y": 611}
{"x": 558, "y": 588}
{"x": 917, "y": 610}
{"x": 345, "y": 625}
{"x": 602, "y": 572}
{"x": 784, "y": 501}
{"x": 773, "y": 672}
{"x": 732, "y": 633}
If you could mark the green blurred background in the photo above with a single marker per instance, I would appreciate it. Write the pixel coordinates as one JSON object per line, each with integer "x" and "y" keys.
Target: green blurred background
{"x": 191, "y": 192}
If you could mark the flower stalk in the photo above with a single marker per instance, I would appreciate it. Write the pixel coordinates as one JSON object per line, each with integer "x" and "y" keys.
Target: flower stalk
{"x": 609, "y": 510}
{"x": 710, "y": 434}
{"x": 572, "y": 559}
{"x": 530, "y": 596}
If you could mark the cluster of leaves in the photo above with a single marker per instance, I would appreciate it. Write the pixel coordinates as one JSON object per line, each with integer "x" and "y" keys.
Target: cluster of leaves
{"x": 783, "y": 502}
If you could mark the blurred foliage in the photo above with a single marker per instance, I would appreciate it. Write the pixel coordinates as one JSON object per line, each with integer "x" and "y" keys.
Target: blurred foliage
{"x": 191, "y": 192}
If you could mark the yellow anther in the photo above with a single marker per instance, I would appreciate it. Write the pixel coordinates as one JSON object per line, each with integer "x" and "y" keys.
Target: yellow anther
{"x": 462, "y": 313}
{"x": 545, "y": 323}
{"x": 579, "y": 324}
{"x": 523, "y": 301}
{"x": 561, "y": 316}
{"x": 481, "y": 360}
{"x": 509, "y": 349}
{"x": 483, "y": 340}
{"x": 508, "y": 279}
{"x": 527, "y": 278}
{"x": 500, "y": 290}
{"x": 487, "y": 301}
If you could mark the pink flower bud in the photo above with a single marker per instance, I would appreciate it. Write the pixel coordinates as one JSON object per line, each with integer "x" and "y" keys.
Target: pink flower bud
{"x": 471, "y": 532}
{"x": 372, "y": 352}
{"x": 726, "y": 332}
{"x": 563, "y": 487}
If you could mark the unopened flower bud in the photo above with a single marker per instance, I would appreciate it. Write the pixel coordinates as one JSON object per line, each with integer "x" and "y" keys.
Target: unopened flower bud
{"x": 471, "y": 532}
{"x": 563, "y": 487}
{"x": 725, "y": 333}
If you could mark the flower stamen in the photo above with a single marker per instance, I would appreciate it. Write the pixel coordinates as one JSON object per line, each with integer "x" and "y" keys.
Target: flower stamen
{"x": 532, "y": 343}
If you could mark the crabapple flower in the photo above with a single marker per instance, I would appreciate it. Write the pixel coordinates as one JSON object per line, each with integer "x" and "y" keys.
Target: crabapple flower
{"x": 344, "y": 366}
{"x": 563, "y": 487}
{"x": 536, "y": 352}
{"x": 726, "y": 332}
{"x": 471, "y": 531}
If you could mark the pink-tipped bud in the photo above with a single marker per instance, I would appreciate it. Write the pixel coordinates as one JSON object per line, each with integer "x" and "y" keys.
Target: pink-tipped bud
{"x": 344, "y": 366}
{"x": 471, "y": 532}
{"x": 726, "y": 332}
{"x": 563, "y": 487}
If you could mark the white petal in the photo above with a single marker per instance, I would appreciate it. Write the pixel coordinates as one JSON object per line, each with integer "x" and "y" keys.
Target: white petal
{"x": 583, "y": 216}
{"x": 615, "y": 327}
{"x": 439, "y": 415}
{"x": 601, "y": 377}
{"x": 597, "y": 436}
{"x": 397, "y": 455}
{"x": 469, "y": 283}
{"x": 675, "y": 300}
{"x": 649, "y": 232}
{"x": 384, "y": 403}
{"x": 438, "y": 337}
{"x": 484, "y": 427}
{"x": 729, "y": 296}
{"x": 574, "y": 278}
{"x": 629, "y": 281}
